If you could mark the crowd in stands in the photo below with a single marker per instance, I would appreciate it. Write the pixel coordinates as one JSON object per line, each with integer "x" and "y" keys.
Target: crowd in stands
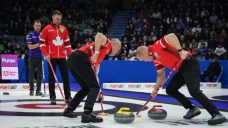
{"x": 82, "y": 19}
{"x": 200, "y": 25}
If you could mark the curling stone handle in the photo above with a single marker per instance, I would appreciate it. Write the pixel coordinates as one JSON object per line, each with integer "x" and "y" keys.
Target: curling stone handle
{"x": 156, "y": 106}
{"x": 124, "y": 110}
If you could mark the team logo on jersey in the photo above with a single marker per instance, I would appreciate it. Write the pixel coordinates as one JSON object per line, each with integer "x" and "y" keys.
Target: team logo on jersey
{"x": 61, "y": 30}
{"x": 156, "y": 55}
{"x": 58, "y": 41}
{"x": 51, "y": 30}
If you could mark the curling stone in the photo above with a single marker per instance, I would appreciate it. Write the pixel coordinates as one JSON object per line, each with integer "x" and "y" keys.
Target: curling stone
{"x": 157, "y": 114}
{"x": 124, "y": 116}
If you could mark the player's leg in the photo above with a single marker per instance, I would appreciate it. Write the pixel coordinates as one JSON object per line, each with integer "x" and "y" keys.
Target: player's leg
{"x": 87, "y": 75}
{"x": 89, "y": 78}
{"x": 39, "y": 76}
{"x": 80, "y": 95}
{"x": 51, "y": 81}
{"x": 31, "y": 75}
{"x": 191, "y": 75}
{"x": 65, "y": 77}
{"x": 176, "y": 83}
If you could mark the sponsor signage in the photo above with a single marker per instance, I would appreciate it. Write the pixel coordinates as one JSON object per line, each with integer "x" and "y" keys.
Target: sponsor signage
{"x": 9, "y": 67}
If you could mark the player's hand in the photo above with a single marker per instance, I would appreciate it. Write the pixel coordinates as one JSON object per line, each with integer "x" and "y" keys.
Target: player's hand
{"x": 47, "y": 58}
{"x": 155, "y": 91}
{"x": 37, "y": 45}
{"x": 94, "y": 58}
{"x": 183, "y": 55}
{"x": 100, "y": 96}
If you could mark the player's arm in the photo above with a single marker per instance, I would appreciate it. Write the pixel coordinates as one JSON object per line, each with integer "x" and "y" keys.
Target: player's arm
{"x": 159, "y": 80}
{"x": 33, "y": 46}
{"x": 29, "y": 42}
{"x": 173, "y": 41}
{"x": 67, "y": 43}
{"x": 97, "y": 69}
{"x": 100, "y": 40}
{"x": 42, "y": 43}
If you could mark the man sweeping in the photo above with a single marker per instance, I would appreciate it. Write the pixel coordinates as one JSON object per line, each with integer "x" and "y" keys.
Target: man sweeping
{"x": 167, "y": 52}
{"x": 84, "y": 65}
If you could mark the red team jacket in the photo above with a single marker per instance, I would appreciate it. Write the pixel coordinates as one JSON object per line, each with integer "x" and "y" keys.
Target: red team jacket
{"x": 54, "y": 40}
{"x": 164, "y": 55}
{"x": 90, "y": 49}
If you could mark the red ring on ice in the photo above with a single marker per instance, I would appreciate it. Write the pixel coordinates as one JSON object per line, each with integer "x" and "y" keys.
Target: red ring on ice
{"x": 42, "y": 106}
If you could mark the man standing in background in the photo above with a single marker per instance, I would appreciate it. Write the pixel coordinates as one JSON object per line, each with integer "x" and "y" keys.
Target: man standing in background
{"x": 35, "y": 58}
{"x": 54, "y": 40}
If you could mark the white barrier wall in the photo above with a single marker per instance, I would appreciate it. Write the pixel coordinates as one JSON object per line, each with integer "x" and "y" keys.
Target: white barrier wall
{"x": 21, "y": 86}
{"x": 133, "y": 86}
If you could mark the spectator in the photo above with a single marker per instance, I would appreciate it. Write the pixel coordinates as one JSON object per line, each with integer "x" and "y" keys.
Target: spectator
{"x": 192, "y": 49}
{"x": 18, "y": 51}
{"x": 132, "y": 51}
{"x": 213, "y": 71}
{"x": 203, "y": 51}
{"x": 220, "y": 52}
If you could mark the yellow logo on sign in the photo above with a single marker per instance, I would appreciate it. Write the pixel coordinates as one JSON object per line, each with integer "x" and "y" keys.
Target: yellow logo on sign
{"x": 61, "y": 30}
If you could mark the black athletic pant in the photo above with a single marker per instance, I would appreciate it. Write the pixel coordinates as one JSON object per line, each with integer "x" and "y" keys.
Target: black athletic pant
{"x": 35, "y": 63}
{"x": 82, "y": 71}
{"x": 189, "y": 74}
{"x": 65, "y": 77}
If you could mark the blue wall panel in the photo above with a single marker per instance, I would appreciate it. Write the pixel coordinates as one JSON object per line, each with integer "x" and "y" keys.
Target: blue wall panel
{"x": 130, "y": 71}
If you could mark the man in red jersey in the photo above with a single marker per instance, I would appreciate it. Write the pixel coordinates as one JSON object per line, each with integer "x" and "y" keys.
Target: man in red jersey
{"x": 168, "y": 52}
{"x": 54, "y": 41}
{"x": 84, "y": 65}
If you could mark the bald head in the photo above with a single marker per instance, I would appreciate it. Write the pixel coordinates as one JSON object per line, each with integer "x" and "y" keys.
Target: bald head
{"x": 116, "y": 46}
{"x": 141, "y": 50}
{"x": 142, "y": 53}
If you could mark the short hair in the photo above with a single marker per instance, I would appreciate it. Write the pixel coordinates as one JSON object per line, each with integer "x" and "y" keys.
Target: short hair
{"x": 56, "y": 12}
{"x": 36, "y": 21}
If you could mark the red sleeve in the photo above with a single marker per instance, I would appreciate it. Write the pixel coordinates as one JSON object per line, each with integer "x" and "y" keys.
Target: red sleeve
{"x": 158, "y": 66}
{"x": 107, "y": 43}
{"x": 43, "y": 42}
{"x": 169, "y": 47}
{"x": 67, "y": 43}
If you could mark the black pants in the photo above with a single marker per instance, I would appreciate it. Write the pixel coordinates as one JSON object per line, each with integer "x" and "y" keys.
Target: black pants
{"x": 65, "y": 77}
{"x": 189, "y": 74}
{"x": 211, "y": 76}
{"x": 35, "y": 64}
{"x": 82, "y": 71}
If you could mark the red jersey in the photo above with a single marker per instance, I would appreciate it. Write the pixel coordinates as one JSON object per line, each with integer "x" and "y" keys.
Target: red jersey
{"x": 164, "y": 55}
{"x": 90, "y": 49}
{"x": 54, "y": 40}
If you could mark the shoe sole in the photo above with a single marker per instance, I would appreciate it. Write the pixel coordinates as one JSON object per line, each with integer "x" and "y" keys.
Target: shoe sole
{"x": 196, "y": 114}
{"x": 88, "y": 121}
{"x": 223, "y": 120}
{"x": 70, "y": 116}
